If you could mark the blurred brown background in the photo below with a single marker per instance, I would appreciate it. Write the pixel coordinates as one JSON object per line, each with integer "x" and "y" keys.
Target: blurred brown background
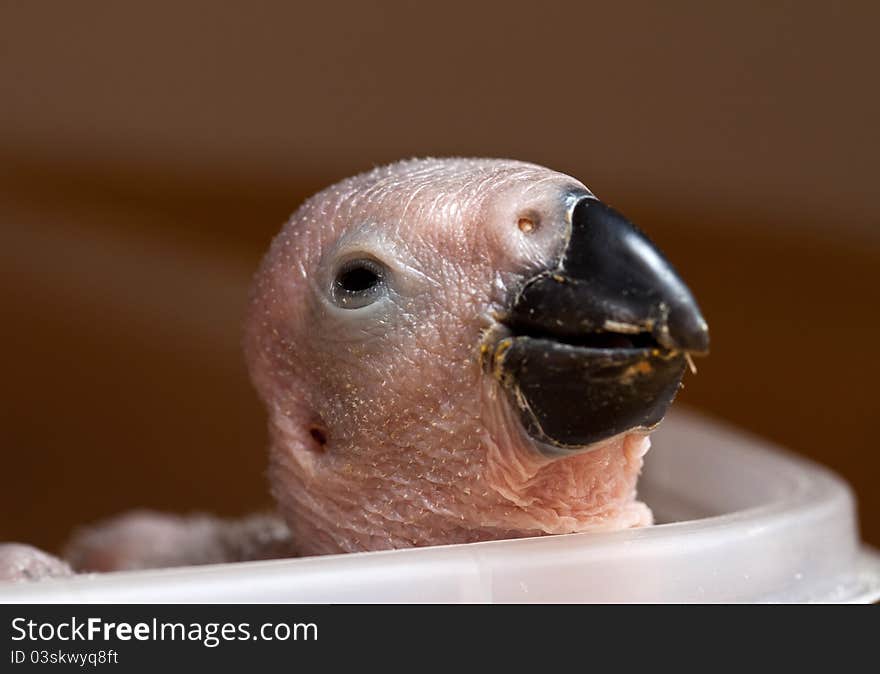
{"x": 148, "y": 152}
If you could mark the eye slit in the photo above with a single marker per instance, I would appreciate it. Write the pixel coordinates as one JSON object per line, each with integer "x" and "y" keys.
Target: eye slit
{"x": 358, "y": 283}
{"x": 357, "y": 278}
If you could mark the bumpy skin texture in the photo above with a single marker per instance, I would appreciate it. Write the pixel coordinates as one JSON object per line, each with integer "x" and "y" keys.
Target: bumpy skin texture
{"x": 386, "y": 430}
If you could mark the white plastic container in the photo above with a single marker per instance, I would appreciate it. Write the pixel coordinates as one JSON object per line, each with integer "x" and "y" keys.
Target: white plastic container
{"x": 740, "y": 522}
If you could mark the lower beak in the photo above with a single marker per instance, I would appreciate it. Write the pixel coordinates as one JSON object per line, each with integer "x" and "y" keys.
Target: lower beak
{"x": 598, "y": 345}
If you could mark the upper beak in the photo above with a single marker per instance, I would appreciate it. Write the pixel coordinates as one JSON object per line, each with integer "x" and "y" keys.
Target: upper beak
{"x": 598, "y": 344}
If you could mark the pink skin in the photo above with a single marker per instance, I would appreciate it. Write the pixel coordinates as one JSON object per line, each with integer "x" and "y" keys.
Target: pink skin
{"x": 386, "y": 429}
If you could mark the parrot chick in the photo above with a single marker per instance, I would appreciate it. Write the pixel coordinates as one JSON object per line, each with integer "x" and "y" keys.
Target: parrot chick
{"x": 462, "y": 350}
{"x": 449, "y": 351}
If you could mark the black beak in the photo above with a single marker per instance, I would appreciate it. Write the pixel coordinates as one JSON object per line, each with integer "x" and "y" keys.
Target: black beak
{"x": 598, "y": 345}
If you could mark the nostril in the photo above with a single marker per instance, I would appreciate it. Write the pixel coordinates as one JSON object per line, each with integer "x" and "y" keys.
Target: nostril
{"x": 526, "y": 225}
